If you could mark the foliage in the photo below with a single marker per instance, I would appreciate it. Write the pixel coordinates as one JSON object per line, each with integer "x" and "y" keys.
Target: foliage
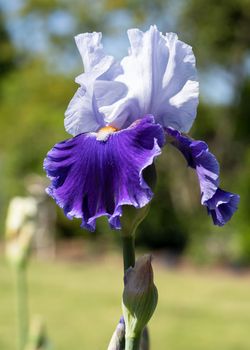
{"x": 7, "y": 49}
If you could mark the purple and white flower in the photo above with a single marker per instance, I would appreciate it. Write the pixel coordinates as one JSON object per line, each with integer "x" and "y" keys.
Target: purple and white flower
{"x": 119, "y": 118}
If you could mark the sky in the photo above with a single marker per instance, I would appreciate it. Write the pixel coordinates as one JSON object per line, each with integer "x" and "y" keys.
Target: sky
{"x": 32, "y": 34}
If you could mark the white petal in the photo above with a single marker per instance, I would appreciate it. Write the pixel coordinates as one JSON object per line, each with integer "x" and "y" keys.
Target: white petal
{"x": 82, "y": 114}
{"x": 97, "y": 86}
{"x": 161, "y": 78}
{"x": 90, "y": 48}
{"x": 108, "y": 92}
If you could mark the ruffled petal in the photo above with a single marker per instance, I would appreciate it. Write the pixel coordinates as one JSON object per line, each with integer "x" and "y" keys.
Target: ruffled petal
{"x": 199, "y": 158}
{"x": 91, "y": 50}
{"x": 92, "y": 178}
{"x": 96, "y": 63}
{"x": 161, "y": 78}
{"x": 98, "y": 88}
{"x": 220, "y": 204}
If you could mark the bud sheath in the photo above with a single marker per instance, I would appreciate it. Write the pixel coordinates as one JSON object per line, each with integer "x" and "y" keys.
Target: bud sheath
{"x": 139, "y": 299}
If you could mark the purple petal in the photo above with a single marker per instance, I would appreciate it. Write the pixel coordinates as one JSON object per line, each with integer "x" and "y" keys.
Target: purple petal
{"x": 220, "y": 204}
{"x": 199, "y": 158}
{"x": 92, "y": 178}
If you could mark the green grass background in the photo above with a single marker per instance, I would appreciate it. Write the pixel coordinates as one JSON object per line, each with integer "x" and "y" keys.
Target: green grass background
{"x": 81, "y": 305}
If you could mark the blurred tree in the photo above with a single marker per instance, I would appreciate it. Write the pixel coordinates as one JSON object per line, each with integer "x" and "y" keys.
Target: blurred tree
{"x": 7, "y": 57}
{"x": 7, "y": 64}
{"x": 219, "y": 32}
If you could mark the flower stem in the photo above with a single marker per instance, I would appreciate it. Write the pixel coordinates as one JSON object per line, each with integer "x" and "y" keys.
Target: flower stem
{"x": 128, "y": 244}
{"x": 134, "y": 218}
{"x": 133, "y": 343}
{"x": 22, "y": 307}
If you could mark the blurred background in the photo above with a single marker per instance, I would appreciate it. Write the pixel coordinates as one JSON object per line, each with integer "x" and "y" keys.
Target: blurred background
{"x": 38, "y": 64}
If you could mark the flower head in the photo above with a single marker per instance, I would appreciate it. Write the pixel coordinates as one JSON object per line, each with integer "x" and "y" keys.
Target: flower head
{"x": 119, "y": 117}
{"x": 92, "y": 177}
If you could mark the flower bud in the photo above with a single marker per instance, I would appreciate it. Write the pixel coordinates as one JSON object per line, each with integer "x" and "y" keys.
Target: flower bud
{"x": 20, "y": 228}
{"x": 139, "y": 297}
{"x": 144, "y": 345}
{"x": 117, "y": 341}
{"x": 21, "y": 210}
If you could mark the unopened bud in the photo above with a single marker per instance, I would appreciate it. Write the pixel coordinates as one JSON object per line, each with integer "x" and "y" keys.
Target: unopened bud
{"x": 117, "y": 341}
{"x": 17, "y": 249}
{"x": 21, "y": 210}
{"x": 145, "y": 340}
{"x": 20, "y": 228}
{"x": 139, "y": 297}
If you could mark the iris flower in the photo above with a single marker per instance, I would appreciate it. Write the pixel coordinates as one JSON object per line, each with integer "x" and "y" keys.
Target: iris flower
{"x": 121, "y": 116}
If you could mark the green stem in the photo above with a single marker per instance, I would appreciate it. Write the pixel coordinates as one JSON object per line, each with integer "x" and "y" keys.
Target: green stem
{"x": 128, "y": 244}
{"x": 133, "y": 343}
{"x": 22, "y": 307}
